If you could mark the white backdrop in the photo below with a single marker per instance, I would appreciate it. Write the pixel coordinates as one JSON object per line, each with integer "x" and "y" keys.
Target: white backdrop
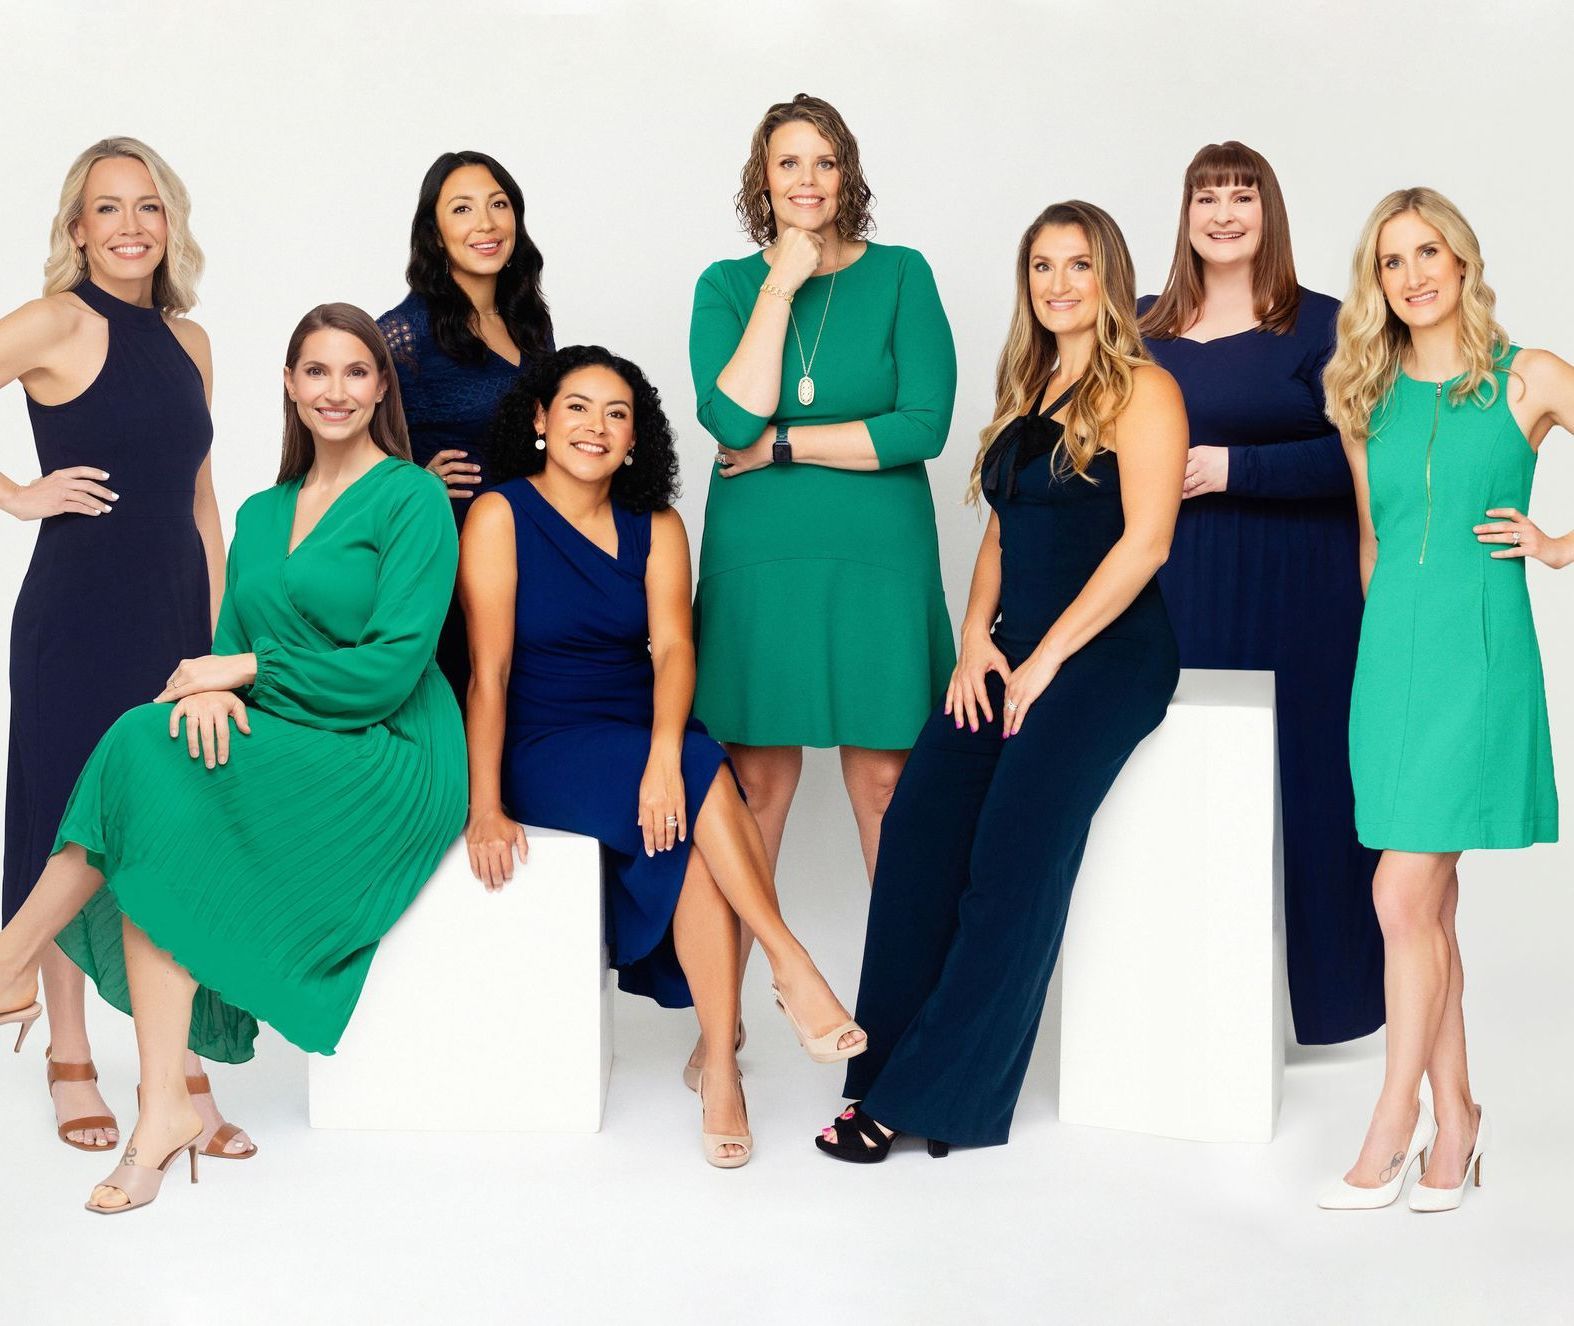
{"x": 302, "y": 131}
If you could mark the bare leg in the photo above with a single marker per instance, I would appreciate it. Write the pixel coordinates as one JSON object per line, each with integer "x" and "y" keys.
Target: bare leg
{"x": 67, "y": 882}
{"x": 161, "y": 992}
{"x": 727, "y": 837}
{"x": 705, "y": 931}
{"x": 1409, "y": 891}
{"x": 1448, "y": 1071}
{"x": 64, "y": 997}
{"x": 208, "y": 1108}
{"x": 870, "y": 778}
{"x": 770, "y": 778}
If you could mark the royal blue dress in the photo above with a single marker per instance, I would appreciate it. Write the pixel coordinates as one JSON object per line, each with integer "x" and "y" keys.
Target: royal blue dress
{"x": 581, "y": 700}
{"x": 448, "y": 405}
{"x": 1265, "y": 576}
{"x": 110, "y": 603}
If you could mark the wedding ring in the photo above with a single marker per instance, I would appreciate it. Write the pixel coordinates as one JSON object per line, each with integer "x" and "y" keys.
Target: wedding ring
{"x": 1516, "y": 538}
{"x": 672, "y": 821}
{"x": 1011, "y": 705}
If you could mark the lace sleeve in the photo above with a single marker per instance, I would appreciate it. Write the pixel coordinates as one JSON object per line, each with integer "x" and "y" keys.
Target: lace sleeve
{"x": 400, "y": 336}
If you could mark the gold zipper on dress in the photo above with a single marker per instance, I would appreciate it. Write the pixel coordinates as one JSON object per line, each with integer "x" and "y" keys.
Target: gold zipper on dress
{"x": 1426, "y": 530}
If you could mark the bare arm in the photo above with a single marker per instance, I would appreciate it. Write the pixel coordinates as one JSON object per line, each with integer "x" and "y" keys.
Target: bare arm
{"x": 1541, "y": 397}
{"x": 205, "y": 505}
{"x": 1151, "y": 444}
{"x": 667, "y": 592}
{"x": 966, "y": 696}
{"x": 36, "y": 346}
{"x": 488, "y": 583}
{"x": 1355, "y": 453}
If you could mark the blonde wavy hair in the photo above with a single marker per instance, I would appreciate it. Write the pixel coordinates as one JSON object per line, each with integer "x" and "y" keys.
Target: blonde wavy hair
{"x": 1373, "y": 339}
{"x": 175, "y": 280}
{"x": 1029, "y": 357}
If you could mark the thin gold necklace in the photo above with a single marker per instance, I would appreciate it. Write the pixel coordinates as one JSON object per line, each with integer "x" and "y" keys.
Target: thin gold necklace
{"x": 806, "y": 382}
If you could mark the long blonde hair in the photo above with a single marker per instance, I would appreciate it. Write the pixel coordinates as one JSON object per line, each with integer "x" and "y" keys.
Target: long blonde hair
{"x": 1372, "y": 338}
{"x": 1029, "y": 357}
{"x": 175, "y": 280}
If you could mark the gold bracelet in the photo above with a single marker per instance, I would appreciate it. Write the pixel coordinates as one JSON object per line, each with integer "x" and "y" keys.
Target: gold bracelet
{"x": 776, "y": 290}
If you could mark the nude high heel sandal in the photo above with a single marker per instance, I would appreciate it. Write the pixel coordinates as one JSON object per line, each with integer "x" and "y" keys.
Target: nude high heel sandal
{"x": 713, "y": 1142}
{"x": 140, "y": 1183}
{"x": 24, "y": 1019}
{"x": 822, "y": 1049}
{"x": 1423, "y": 1198}
{"x": 691, "y": 1071}
{"x": 77, "y": 1073}
{"x": 1342, "y": 1196}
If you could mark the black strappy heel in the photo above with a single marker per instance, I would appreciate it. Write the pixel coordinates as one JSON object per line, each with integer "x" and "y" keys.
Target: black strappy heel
{"x": 870, "y": 1143}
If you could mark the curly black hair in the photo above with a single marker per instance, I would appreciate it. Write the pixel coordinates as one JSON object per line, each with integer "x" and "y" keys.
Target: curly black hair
{"x": 649, "y": 484}
{"x": 519, "y": 297}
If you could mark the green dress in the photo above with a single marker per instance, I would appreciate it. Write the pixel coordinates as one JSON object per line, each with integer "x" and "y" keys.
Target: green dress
{"x": 819, "y": 617}
{"x": 1449, "y": 743}
{"x": 271, "y": 878}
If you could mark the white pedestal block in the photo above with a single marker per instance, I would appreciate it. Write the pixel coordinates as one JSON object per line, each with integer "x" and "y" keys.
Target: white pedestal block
{"x": 487, "y": 1012}
{"x": 1173, "y": 994}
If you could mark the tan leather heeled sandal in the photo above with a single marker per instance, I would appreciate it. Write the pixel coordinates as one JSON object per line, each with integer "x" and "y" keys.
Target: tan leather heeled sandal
{"x": 713, "y": 1142}
{"x": 691, "y": 1070}
{"x": 140, "y": 1183}
{"x": 77, "y": 1073}
{"x": 823, "y": 1049}
{"x": 212, "y": 1140}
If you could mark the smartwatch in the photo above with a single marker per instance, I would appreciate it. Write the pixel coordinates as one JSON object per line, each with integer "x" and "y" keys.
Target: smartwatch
{"x": 781, "y": 448}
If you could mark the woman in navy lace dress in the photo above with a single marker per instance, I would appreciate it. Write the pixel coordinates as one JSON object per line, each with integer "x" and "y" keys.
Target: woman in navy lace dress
{"x": 471, "y": 325}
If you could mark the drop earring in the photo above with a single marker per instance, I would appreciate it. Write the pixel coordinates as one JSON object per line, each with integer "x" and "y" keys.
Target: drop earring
{"x": 629, "y": 459}
{"x": 541, "y": 444}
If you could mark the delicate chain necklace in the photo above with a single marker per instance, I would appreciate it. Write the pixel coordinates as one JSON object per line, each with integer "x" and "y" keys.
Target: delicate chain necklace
{"x": 806, "y": 382}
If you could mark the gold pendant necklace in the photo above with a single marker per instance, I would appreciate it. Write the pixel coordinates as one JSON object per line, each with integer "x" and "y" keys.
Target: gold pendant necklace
{"x": 806, "y": 382}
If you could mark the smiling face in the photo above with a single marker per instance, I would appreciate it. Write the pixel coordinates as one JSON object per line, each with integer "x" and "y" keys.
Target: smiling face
{"x": 1062, "y": 284}
{"x": 335, "y": 386}
{"x": 803, "y": 177}
{"x": 475, "y": 221}
{"x": 589, "y": 426}
{"x": 1420, "y": 275}
{"x": 1225, "y": 224}
{"x": 122, "y": 230}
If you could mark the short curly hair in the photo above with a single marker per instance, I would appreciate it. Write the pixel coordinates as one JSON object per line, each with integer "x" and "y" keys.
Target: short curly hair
{"x": 649, "y": 484}
{"x": 854, "y": 219}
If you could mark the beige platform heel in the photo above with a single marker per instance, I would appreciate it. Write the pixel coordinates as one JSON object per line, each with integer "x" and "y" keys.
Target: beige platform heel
{"x": 823, "y": 1049}
{"x": 713, "y": 1142}
{"x": 691, "y": 1071}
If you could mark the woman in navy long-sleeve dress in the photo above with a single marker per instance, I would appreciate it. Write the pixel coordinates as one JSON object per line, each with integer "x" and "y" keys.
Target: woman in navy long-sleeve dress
{"x": 470, "y": 327}
{"x": 1263, "y": 571}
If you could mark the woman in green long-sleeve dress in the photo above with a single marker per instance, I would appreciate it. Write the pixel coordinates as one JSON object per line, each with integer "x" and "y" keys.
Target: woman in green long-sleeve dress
{"x": 235, "y": 876}
{"x": 825, "y": 370}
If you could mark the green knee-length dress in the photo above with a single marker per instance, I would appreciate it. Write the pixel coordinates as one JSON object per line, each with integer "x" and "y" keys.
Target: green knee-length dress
{"x": 1449, "y": 743}
{"x": 819, "y": 617}
{"x": 272, "y": 878}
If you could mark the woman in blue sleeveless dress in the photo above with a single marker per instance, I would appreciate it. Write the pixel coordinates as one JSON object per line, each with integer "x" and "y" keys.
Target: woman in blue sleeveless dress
{"x": 575, "y": 580}
{"x": 129, "y": 563}
{"x": 470, "y": 327}
{"x": 1082, "y": 466}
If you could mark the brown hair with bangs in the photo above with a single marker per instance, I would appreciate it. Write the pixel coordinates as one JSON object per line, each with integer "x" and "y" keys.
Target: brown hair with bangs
{"x": 388, "y": 427}
{"x": 1276, "y": 296}
{"x": 853, "y": 201}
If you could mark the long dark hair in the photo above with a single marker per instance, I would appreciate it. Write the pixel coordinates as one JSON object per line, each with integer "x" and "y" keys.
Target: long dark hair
{"x": 388, "y": 427}
{"x": 1276, "y": 297}
{"x": 649, "y": 484}
{"x": 519, "y": 298}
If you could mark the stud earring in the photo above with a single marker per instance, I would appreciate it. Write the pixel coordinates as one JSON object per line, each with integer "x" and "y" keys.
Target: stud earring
{"x": 541, "y": 444}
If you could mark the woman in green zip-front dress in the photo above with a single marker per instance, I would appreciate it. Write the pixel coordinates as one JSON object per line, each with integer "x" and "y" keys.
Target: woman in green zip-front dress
{"x": 228, "y": 877}
{"x": 825, "y": 371}
{"x": 1442, "y": 418}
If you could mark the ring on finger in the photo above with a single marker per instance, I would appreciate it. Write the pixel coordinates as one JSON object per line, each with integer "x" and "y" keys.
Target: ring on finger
{"x": 672, "y": 821}
{"x": 1516, "y": 538}
{"x": 1011, "y": 706}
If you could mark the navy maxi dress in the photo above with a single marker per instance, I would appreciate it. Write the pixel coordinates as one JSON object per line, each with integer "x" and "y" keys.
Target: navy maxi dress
{"x": 1265, "y": 576}
{"x": 983, "y": 838}
{"x": 448, "y": 405}
{"x": 581, "y": 700}
{"x": 110, "y": 603}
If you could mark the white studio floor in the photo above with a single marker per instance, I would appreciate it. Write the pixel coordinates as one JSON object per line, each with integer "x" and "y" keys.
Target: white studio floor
{"x": 1066, "y": 1224}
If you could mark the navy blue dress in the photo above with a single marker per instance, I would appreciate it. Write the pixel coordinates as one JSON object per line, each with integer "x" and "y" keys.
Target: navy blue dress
{"x": 448, "y": 405}
{"x": 110, "y": 603}
{"x": 983, "y": 838}
{"x": 581, "y": 700}
{"x": 1265, "y": 576}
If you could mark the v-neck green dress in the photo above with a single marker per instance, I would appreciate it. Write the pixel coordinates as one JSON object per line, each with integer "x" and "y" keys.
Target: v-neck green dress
{"x": 272, "y": 878}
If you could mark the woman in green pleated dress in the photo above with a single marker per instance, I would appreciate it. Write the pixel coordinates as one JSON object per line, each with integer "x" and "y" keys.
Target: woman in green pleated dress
{"x": 1442, "y": 419}
{"x": 825, "y": 370}
{"x": 236, "y": 849}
